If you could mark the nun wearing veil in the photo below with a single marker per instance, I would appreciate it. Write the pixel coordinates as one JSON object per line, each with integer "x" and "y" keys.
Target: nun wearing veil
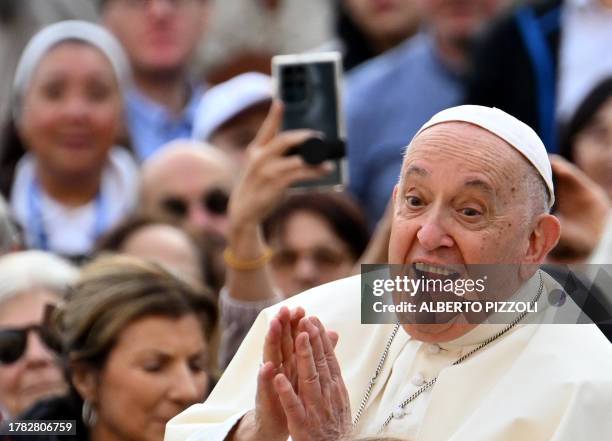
{"x": 67, "y": 179}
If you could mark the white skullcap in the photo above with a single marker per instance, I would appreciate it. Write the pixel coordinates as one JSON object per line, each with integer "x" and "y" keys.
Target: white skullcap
{"x": 52, "y": 35}
{"x": 226, "y": 100}
{"x": 516, "y": 133}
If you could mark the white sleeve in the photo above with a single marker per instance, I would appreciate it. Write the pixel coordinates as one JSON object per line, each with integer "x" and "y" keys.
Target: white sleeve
{"x": 216, "y": 432}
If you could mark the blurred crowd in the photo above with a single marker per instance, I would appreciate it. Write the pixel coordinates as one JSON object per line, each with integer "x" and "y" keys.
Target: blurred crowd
{"x": 149, "y": 209}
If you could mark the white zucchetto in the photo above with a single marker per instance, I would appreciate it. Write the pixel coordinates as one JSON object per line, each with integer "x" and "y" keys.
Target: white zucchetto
{"x": 516, "y": 133}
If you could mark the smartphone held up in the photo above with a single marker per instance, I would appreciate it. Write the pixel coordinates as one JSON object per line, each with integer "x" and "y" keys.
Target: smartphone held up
{"x": 309, "y": 87}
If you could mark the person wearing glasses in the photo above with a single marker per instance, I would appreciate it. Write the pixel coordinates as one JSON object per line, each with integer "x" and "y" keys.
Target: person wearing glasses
{"x": 160, "y": 38}
{"x": 188, "y": 183}
{"x": 29, "y": 280}
{"x": 134, "y": 339}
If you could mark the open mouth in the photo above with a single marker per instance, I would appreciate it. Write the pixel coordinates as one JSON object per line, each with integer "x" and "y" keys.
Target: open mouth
{"x": 434, "y": 271}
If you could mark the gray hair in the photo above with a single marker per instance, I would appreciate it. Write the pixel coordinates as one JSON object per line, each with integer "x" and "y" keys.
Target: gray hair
{"x": 30, "y": 270}
{"x": 9, "y": 235}
{"x": 539, "y": 198}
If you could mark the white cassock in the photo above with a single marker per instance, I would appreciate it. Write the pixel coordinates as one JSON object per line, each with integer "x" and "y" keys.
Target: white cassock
{"x": 538, "y": 382}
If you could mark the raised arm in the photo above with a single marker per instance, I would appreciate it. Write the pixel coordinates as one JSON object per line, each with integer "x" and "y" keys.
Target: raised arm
{"x": 267, "y": 175}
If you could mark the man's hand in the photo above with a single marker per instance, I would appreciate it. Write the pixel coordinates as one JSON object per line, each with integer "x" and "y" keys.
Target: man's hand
{"x": 267, "y": 421}
{"x": 319, "y": 410}
{"x": 279, "y": 358}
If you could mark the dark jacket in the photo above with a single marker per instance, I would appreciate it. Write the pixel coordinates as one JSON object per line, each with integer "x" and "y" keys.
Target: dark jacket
{"x": 515, "y": 67}
{"x": 61, "y": 408}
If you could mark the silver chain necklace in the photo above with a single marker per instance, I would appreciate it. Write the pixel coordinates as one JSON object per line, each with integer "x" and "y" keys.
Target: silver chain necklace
{"x": 399, "y": 412}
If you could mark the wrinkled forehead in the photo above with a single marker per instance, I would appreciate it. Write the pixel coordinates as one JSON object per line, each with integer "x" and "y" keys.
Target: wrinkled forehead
{"x": 461, "y": 141}
{"x": 459, "y": 152}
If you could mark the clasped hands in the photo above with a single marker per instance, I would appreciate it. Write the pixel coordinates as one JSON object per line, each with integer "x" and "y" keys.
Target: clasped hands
{"x": 300, "y": 390}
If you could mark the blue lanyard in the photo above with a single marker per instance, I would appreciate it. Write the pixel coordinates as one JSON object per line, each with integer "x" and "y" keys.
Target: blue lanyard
{"x": 534, "y": 32}
{"x": 35, "y": 221}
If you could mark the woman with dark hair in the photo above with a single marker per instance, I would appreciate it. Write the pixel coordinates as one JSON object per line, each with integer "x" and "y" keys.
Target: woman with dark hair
{"x": 134, "y": 341}
{"x": 68, "y": 181}
{"x": 587, "y": 137}
{"x": 315, "y": 238}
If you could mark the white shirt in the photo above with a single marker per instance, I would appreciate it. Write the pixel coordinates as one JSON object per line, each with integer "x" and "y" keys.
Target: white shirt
{"x": 585, "y": 53}
{"x": 71, "y": 231}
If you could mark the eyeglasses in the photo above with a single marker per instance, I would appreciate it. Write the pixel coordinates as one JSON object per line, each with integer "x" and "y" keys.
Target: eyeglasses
{"x": 325, "y": 259}
{"x": 214, "y": 201}
{"x": 14, "y": 341}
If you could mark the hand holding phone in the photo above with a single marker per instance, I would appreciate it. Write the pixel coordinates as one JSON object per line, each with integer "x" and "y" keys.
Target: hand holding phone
{"x": 269, "y": 171}
{"x": 309, "y": 87}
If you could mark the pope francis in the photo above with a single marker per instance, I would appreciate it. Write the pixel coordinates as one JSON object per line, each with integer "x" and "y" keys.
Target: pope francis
{"x": 475, "y": 187}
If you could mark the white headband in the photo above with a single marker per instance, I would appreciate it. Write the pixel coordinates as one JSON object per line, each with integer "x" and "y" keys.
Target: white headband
{"x": 52, "y": 35}
{"x": 516, "y": 133}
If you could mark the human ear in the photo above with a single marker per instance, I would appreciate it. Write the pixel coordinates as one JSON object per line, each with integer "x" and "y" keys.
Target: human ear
{"x": 542, "y": 239}
{"x": 85, "y": 381}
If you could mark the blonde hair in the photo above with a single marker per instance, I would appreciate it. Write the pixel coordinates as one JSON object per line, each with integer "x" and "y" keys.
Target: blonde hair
{"x": 114, "y": 291}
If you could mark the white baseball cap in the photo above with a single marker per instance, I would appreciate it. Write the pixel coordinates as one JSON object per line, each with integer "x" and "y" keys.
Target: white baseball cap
{"x": 224, "y": 101}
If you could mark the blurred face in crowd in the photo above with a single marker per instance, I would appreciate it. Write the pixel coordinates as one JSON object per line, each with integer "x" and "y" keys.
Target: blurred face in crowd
{"x": 235, "y": 135}
{"x": 461, "y": 201}
{"x": 156, "y": 370}
{"x": 72, "y": 111}
{"x": 159, "y": 36}
{"x": 167, "y": 246}
{"x": 384, "y": 20}
{"x": 308, "y": 253}
{"x": 592, "y": 148}
{"x": 190, "y": 188}
{"x": 459, "y": 20}
{"x": 36, "y": 373}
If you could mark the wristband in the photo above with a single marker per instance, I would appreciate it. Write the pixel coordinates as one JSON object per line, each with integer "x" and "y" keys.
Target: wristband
{"x": 246, "y": 265}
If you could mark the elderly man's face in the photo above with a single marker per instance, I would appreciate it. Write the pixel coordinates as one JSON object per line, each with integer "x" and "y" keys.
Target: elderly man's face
{"x": 461, "y": 200}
